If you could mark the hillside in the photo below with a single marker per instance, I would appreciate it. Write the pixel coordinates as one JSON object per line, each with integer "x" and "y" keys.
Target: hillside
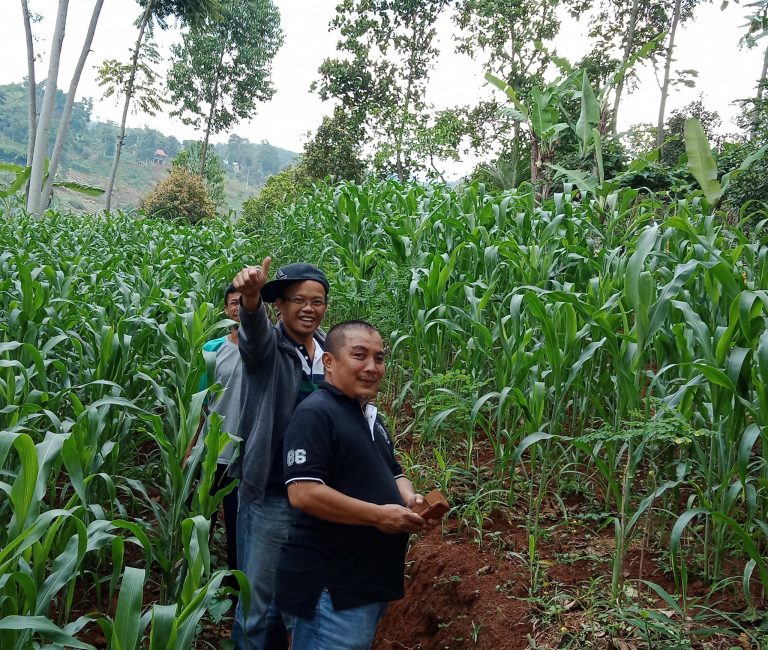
{"x": 90, "y": 147}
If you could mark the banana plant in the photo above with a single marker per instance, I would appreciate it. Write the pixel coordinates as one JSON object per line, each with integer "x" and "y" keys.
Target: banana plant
{"x": 703, "y": 167}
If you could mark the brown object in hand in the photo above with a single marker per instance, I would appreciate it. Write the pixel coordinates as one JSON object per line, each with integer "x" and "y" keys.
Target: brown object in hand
{"x": 435, "y": 506}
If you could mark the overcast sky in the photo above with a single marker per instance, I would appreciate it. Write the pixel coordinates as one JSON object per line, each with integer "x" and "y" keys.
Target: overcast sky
{"x": 709, "y": 44}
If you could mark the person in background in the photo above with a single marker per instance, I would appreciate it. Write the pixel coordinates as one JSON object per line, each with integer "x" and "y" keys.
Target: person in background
{"x": 282, "y": 365}
{"x": 345, "y": 555}
{"x": 228, "y": 374}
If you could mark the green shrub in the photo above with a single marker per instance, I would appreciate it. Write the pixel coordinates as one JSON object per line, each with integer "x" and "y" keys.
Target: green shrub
{"x": 189, "y": 159}
{"x": 747, "y": 193}
{"x": 280, "y": 191}
{"x": 181, "y": 195}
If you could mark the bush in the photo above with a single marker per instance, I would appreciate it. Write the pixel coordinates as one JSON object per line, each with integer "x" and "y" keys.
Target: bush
{"x": 747, "y": 193}
{"x": 181, "y": 195}
{"x": 280, "y": 191}
{"x": 335, "y": 149}
{"x": 189, "y": 159}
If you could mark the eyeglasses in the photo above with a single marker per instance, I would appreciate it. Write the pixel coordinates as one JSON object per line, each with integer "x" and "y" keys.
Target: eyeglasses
{"x": 316, "y": 303}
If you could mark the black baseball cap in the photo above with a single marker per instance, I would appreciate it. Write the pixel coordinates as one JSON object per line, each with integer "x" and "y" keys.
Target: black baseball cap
{"x": 289, "y": 274}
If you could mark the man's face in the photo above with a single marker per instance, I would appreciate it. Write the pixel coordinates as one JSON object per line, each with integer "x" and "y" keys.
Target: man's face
{"x": 302, "y": 307}
{"x": 232, "y": 308}
{"x": 358, "y": 367}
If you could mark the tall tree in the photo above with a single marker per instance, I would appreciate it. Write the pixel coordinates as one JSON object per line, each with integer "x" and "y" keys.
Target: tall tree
{"x": 222, "y": 68}
{"x": 667, "y": 72}
{"x": 388, "y": 47}
{"x": 40, "y": 183}
{"x": 504, "y": 35}
{"x": 336, "y": 149}
{"x": 757, "y": 28}
{"x": 681, "y": 12}
{"x": 121, "y": 79}
{"x": 620, "y": 29}
{"x": 31, "y": 85}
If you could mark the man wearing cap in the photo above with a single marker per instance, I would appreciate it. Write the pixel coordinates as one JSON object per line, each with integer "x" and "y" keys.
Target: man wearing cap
{"x": 282, "y": 365}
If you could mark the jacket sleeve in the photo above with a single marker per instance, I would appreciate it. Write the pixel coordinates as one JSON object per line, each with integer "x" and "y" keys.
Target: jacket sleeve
{"x": 255, "y": 337}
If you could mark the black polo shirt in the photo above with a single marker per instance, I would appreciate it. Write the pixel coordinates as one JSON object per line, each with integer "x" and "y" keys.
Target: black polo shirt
{"x": 329, "y": 439}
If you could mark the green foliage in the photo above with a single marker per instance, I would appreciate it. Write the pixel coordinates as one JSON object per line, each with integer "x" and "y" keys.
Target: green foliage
{"x": 674, "y": 146}
{"x": 278, "y": 193}
{"x": 702, "y": 165}
{"x": 747, "y": 194}
{"x": 181, "y": 195}
{"x": 144, "y": 90}
{"x": 221, "y": 71}
{"x": 614, "y": 346}
{"x": 647, "y": 174}
{"x": 503, "y": 174}
{"x": 98, "y": 388}
{"x": 521, "y": 324}
{"x": 335, "y": 149}
{"x": 380, "y": 79}
{"x": 13, "y": 123}
{"x": 21, "y": 177}
{"x": 189, "y": 158}
{"x": 257, "y": 161}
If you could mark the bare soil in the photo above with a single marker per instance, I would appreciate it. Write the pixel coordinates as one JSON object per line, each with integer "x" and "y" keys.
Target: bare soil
{"x": 460, "y": 594}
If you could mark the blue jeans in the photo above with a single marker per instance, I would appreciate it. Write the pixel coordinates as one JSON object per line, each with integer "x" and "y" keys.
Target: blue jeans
{"x": 330, "y": 629}
{"x": 261, "y": 532}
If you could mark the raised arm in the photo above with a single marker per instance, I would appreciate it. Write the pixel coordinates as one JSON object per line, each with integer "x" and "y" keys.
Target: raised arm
{"x": 254, "y": 324}
{"x": 249, "y": 282}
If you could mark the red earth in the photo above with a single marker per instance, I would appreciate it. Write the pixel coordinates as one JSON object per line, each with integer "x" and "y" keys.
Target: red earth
{"x": 462, "y": 594}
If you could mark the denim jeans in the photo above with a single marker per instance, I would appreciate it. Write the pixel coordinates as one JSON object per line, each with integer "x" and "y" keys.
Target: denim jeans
{"x": 261, "y": 532}
{"x": 330, "y": 629}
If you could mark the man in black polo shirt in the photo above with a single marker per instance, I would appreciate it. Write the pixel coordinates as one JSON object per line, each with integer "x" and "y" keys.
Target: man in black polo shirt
{"x": 345, "y": 555}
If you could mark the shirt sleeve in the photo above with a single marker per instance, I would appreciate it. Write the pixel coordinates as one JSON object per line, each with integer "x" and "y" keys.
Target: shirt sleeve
{"x": 308, "y": 445}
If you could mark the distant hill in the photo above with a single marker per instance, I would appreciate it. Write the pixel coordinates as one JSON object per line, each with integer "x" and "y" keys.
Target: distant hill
{"x": 90, "y": 146}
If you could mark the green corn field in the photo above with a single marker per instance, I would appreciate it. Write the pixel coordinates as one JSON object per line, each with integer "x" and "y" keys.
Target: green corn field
{"x": 616, "y": 348}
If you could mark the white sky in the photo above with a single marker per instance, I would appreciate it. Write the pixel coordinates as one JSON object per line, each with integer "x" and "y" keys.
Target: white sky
{"x": 709, "y": 44}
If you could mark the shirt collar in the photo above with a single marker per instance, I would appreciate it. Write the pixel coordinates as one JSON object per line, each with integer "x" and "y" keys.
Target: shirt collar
{"x": 367, "y": 410}
{"x": 343, "y": 397}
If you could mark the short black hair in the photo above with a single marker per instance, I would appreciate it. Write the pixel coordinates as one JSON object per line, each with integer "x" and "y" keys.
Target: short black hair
{"x": 229, "y": 290}
{"x": 337, "y": 335}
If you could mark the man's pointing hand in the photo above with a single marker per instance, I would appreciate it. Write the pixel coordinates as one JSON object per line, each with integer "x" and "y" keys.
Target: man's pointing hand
{"x": 249, "y": 283}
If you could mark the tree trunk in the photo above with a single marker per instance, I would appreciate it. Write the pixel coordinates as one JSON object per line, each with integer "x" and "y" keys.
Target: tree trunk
{"x": 759, "y": 97}
{"x": 627, "y": 53}
{"x": 515, "y": 154}
{"x": 535, "y": 161}
{"x": 667, "y": 69}
{"x": 66, "y": 115}
{"x": 128, "y": 96}
{"x": 34, "y": 193}
{"x": 204, "y": 148}
{"x": 214, "y": 100}
{"x": 31, "y": 81}
{"x": 417, "y": 29}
